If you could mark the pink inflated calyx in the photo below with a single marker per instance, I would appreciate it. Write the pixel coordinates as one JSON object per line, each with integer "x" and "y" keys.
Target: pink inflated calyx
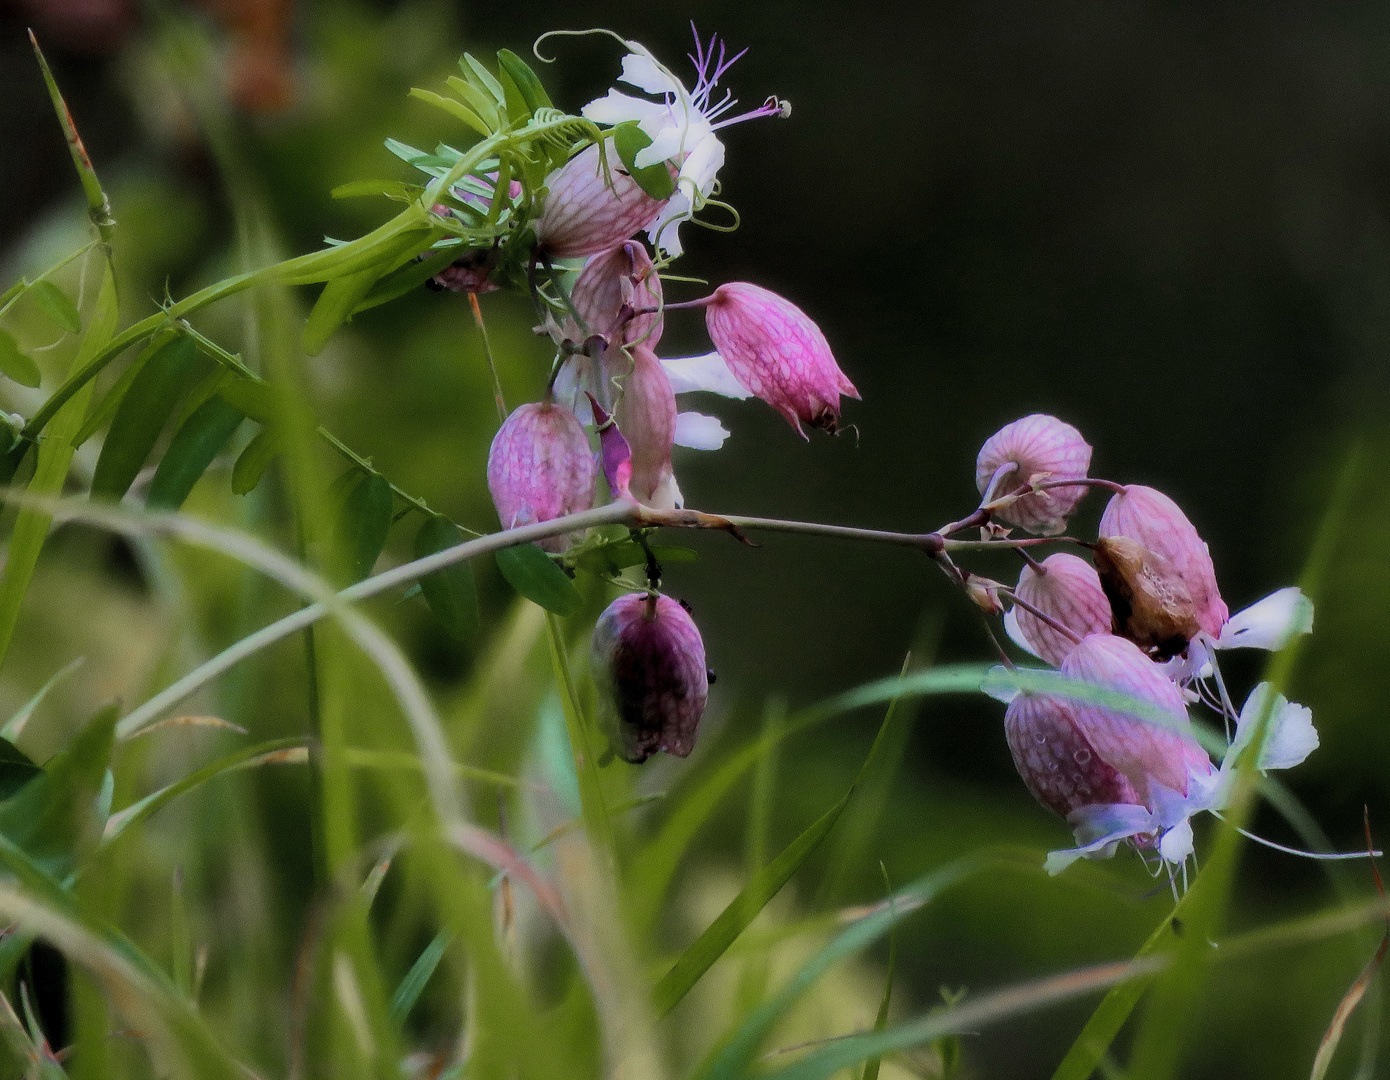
{"x": 540, "y": 468}
{"x": 1157, "y": 523}
{"x": 646, "y": 415}
{"x": 612, "y": 288}
{"x": 1151, "y": 752}
{"x": 1058, "y": 765}
{"x": 1037, "y": 447}
{"x": 648, "y": 663}
{"x": 1068, "y": 591}
{"x": 777, "y": 353}
{"x": 589, "y": 209}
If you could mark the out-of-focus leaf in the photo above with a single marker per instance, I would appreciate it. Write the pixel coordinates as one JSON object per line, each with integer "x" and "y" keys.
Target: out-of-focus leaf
{"x": 615, "y": 556}
{"x": 335, "y": 304}
{"x": 16, "y": 364}
{"x": 871, "y": 1067}
{"x": 408, "y": 993}
{"x": 141, "y": 416}
{"x": 53, "y": 815}
{"x": 15, "y": 725}
{"x": 252, "y": 462}
{"x": 16, "y": 769}
{"x": 106, "y": 408}
{"x": 531, "y": 572}
{"x": 364, "y": 522}
{"x": 191, "y": 451}
{"x": 451, "y": 593}
{"x": 655, "y": 179}
{"x": 478, "y": 100}
{"x": 252, "y": 398}
{"x": 526, "y": 81}
{"x": 456, "y": 109}
{"x": 57, "y": 305}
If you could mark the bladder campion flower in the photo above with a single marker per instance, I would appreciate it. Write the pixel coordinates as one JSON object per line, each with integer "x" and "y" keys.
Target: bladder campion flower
{"x": 540, "y": 467}
{"x": 1068, "y": 592}
{"x": 1038, "y": 447}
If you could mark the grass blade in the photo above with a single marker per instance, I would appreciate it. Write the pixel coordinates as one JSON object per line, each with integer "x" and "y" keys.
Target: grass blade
{"x": 408, "y": 993}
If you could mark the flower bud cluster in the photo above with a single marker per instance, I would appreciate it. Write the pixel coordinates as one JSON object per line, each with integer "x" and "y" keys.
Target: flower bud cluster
{"x": 1134, "y": 635}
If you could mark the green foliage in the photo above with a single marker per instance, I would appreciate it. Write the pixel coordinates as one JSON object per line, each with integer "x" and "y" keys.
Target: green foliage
{"x": 451, "y": 593}
{"x": 195, "y": 444}
{"x": 532, "y": 573}
{"x": 16, "y": 364}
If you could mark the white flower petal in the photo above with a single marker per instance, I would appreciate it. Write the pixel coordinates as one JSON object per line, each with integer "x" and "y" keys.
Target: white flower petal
{"x": 1176, "y": 844}
{"x": 699, "y": 432}
{"x": 641, "y": 70}
{"x": 666, "y": 143}
{"x": 707, "y": 372}
{"x": 1270, "y": 623}
{"x": 1015, "y": 632}
{"x": 664, "y": 231}
{"x": 1290, "y": 735}
{"x": 619, "y": 108}
{"x": 1098, "y": 828}
{"x": 702, "y": 163}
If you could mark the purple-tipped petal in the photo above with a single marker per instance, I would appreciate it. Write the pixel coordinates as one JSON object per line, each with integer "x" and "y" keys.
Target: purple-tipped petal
{"x": 587, "y": 212}
{"x": 540, "y": 468}
{"x": 1069, "y": 592}
{"x": 648, "y": 662}
{"x": 1156, "y": 522}
{"x": 776, "y": 351}
{"x": 1037, "y": 445}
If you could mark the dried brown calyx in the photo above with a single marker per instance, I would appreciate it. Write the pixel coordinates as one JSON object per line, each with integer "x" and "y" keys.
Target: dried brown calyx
{"x": 1148, "y": 599}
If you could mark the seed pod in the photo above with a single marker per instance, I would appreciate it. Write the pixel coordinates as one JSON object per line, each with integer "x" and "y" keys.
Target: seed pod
{"x": 646, "y": 415}
{"x": 1057, "y": 764}
{"x": 622, "y": 278}
{"x": 776, "y": 351}
{"x": 1156, "y": 522}
{"x": 1069, "y": 592}
{"x": 1147, "y": 595}
{"x": 588, "y": 211}
{"x": 649, "y": 667}
{"x": 540, "y": 468}
{"x": 1147, "y": 751}
{"x": 1036, "y": 446}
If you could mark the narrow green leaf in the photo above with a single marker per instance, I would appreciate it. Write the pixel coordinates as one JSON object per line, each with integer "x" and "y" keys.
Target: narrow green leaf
{"x": 365, "y": 522}
{"x": 654, "y": 179}
{"x": 107, "y": 406}
{"x": 15, "y": 725}
{"x": 181, "y": 962}
{"x": 51, "y": 470}
{"x": 583, "y": 744}
{"x": 252, "y": 463}
{"x": 191, "y": 451}
{"x": 406, "y": 278}
{"x": 52, "y": 816}
{"x": 526, "y": 81}
{"x": 531, "y": 572}
{"x": 451, "y": 593}
{"x": 145, "y": 808}
{"x": 252, "y": 398}
{"x": 335, "y": 305}
{"x": 142, "y": 414}
{"x": 480, "y": 77}
{"x": 98, "y": 205}
{"x": 480, "y": 101}
{"x": 456, "y": 109}
{"x": 57, "y": 305}
{"x": 408, "y": 993}
{"x": 16, "y": 364}
{"x": 392, "y": 189}
{"x": 871, "y": 1067}
{"x": 762, "y": 887}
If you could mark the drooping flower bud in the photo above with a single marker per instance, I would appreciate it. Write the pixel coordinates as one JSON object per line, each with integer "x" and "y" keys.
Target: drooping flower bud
{"x": 614, "y": 285}
{"x": 646, "y": 415}
{"x": 1156, "y": 522}
{"x": 1058, "y": 765}
{"x": 1150, "y": 751}
{"x": 1150, "y": 601}
{"x": 540, "y": 468}
{"x": 983, "y": 593}
{"x": 1038, "y": 446}
{"x": 776, "y": 351}
{"x": 590, "y": 209}
{"x": 1068, "y": 592}
{"x": 649, "y": 667}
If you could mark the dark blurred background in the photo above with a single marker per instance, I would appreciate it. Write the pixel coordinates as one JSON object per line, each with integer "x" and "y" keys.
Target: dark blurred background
{"x": 1164, "y": 222}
